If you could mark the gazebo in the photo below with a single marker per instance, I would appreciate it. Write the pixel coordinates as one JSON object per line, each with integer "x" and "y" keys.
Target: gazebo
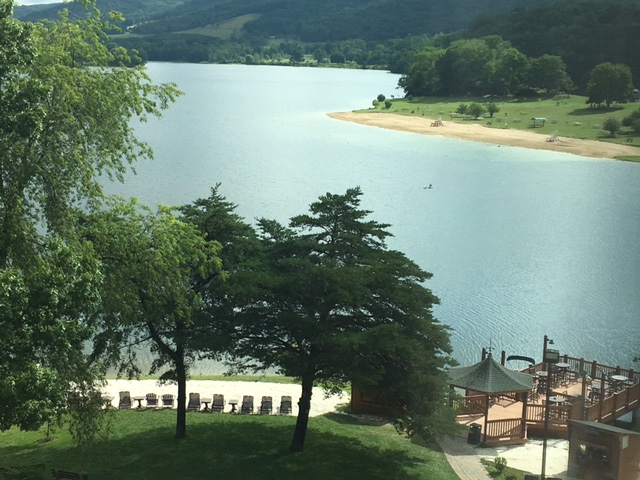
{"x": 541, "y": 120}
{"x": 490, "y": 378}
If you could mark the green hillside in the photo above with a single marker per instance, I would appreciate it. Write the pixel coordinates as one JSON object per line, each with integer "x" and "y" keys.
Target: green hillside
{"x": 135, "y": 11}
{"x": 303, "y": 20}
{"x": 330, "y": 20}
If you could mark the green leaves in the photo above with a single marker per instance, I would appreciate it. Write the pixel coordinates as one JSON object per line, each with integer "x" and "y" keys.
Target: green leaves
{"x": 334, "y": 305}
{"x": 65, "y": 123}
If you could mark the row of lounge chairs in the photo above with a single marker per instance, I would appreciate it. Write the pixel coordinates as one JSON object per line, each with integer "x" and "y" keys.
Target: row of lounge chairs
{"x": 218, "y": 404}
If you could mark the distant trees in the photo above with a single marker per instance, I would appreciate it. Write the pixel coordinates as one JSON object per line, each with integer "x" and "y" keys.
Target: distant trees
{"x": 482, "y": 66}
{"x": 549, "y": 72}
{"x": 609, "y": 83}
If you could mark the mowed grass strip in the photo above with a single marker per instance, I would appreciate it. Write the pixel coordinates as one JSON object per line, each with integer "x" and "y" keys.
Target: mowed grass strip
{"x": 142, "y": 445}
{"x": 224, "y": 29}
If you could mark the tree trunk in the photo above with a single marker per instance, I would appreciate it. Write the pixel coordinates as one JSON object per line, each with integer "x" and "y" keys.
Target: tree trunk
{"x": 304, "y": 404}
{"x": 181, "y": 418}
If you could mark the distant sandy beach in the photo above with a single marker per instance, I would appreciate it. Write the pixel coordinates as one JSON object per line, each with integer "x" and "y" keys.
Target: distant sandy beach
{"x": 481, "y": 133}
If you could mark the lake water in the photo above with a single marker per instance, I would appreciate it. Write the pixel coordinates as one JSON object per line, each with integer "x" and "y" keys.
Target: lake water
{"x": 521, "y": 243}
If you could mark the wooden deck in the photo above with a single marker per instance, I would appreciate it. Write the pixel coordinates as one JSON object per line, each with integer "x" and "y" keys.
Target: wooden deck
{"x": 505, "y": 420}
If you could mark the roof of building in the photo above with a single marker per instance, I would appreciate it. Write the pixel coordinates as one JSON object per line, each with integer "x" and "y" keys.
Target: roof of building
{"x": 605, "y": 427}
{"x": 488, "y": 376}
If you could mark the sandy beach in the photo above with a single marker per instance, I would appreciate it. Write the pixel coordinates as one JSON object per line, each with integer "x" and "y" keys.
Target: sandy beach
{"x": 231, "y": 390}
{"x": 482, "y": 133}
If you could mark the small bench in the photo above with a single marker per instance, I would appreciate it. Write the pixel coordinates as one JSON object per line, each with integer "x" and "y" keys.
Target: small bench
{"x": 65, "y": 475}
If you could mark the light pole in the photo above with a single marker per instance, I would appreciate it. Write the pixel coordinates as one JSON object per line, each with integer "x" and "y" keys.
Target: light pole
{"x": 550, "y": 357}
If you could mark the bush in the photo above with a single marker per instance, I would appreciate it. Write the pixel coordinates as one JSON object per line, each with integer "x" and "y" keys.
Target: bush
{"x": 462, "y": 109}
{"x": 500, "y": 464}
{"x": 387, "y": 104}
{"x": 476, "y": 110}
{"x": 381, "y": 98}
{"x": 612, "y": 125}
{"x": 633, "y": 121}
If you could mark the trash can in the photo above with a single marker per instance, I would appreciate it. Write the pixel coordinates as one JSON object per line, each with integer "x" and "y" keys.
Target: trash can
{"x": 475, "y": 431}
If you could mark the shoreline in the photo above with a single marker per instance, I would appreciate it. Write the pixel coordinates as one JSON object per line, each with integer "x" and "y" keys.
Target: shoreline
{"x": 479, "y": 133}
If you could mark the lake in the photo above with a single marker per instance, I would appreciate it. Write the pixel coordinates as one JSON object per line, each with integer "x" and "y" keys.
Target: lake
{"x": 521, "y": 243}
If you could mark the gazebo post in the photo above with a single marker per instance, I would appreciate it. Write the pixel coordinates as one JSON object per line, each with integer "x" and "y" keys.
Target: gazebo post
{"x": 486, "y": 415}
{"x": 524, "y": 413}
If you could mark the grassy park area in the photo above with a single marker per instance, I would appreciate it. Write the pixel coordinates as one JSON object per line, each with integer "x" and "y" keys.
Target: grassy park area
{"x": 570, "y": 115}
{"x": 142, "y": 445}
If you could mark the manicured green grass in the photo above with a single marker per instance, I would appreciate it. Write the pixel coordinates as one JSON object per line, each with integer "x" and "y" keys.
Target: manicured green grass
{"x": 252, "y": 447}
{"x": 569, "y": 115}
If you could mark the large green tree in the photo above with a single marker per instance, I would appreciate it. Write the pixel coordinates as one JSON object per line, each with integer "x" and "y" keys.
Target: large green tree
{"x": 549, "y": 72}
{"x": 610, "y": 83}
{"x": 66, "y": 110}
{"x": 155, "y": 269}
{"x": 216, "y": 219}
{"x": 332, "y": 304}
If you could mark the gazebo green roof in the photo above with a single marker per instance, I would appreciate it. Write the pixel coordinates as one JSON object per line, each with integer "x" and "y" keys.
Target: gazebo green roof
{"x": 488, "y": 376}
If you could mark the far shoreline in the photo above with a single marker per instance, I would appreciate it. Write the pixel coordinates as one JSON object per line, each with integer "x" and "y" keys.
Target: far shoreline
{"x": 479, "y": 133}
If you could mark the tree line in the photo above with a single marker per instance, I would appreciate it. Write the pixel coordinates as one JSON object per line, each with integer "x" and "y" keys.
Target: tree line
{"x": 320, "y": 298}
{"x": 492, "y": 66}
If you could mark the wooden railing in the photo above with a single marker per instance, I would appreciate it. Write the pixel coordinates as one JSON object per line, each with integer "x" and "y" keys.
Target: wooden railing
{"x": 615, "y": 405}
{"x": 470, "y": 405}
{"x": 509, "y": 428}
{"x": 593, "y": 369}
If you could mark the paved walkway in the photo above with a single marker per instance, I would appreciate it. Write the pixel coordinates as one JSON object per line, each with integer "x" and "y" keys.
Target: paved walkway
{"x": 463, "y": 458}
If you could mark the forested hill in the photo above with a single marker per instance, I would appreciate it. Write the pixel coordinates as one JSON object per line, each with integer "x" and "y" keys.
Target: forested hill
{"x": 583, "y": 32}
{"x": 303, "y": 20}
{"x": 330, "y": 20}
{"x": 135, "y": 11}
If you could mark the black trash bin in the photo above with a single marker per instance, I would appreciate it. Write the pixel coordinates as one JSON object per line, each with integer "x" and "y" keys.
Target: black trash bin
{"x": 475, "y": 431}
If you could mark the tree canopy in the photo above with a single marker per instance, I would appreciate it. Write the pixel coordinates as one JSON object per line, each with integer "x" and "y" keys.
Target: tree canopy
{"x": 488, "y": 65}
{"x": 609, "y": 83}
{"x": 332, "y": 304}
{"x": 66, "y": 112}
{"x": 156, "y": 268}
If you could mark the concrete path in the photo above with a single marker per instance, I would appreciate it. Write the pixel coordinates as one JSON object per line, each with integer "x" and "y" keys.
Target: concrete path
{"x": 463, "y": 458}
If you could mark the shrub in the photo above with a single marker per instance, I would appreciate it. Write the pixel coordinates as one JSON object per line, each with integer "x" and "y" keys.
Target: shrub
{"x": 612, "y": 125}
{"x": 476, "y": 110}
{"x": 462, "y": 109}
{"x": 500, "y": 463}
{"x": 381, "y": 98}
{"x": 387, "y": 104}
{"x": 632, "y": 120}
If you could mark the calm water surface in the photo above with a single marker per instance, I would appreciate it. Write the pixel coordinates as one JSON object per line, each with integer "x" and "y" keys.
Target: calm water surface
{"x": 521, "y": 243}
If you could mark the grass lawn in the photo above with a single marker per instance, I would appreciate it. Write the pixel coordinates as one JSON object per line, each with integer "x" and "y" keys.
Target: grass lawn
{"x": 569, "y": 115}
{"x": 248, "y": 447}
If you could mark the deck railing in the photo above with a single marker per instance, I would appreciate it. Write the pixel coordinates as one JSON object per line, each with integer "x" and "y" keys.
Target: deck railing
{"x": 593, "y": 369}
{"x": 470, "y": 405}
{"x": 505, "y": 429}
